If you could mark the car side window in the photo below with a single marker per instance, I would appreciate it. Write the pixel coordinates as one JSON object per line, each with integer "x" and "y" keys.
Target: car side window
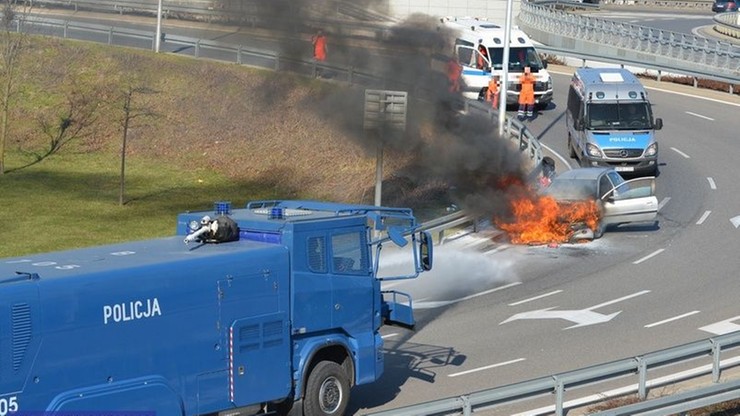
{"x": 605, "y": 186}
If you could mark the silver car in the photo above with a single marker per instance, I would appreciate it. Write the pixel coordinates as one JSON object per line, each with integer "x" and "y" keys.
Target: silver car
{"x": 619, "y": 201}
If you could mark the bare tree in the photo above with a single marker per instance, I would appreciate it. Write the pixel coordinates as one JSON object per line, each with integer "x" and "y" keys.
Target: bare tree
{"x": 12, "y": 41}
{"x": 130, "y": 113}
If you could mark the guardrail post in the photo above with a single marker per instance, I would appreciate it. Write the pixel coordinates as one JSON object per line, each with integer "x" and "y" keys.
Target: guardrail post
{"x": 277, "y": 63}
{"x": 197, "y": 49}
{"x": 642, "y": 378}
{"x": 110, "y": 36}
{"x": 716, "y": 355}
{"x": 559, "y": 396}
{"x": 239, "y": 55}
{"x": 467, "y": 410}
{"x": 66, "y": 25}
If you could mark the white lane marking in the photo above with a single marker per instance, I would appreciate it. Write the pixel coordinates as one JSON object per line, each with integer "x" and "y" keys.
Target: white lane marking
{"x": 640, "y": 293}
{"x": 681, "y": 153}
{"x": 535, "y": 298}
{"x": 703, "y": 218}
{"x": 632, "y": 388}
{"x": 694, "y": 96}
{"x": 722, "y": 327}
{"x": 663, "y": 202}
{"x": 389, "y": 335}
{"x": 699, "y": 115}
{"x": 675, "y": 318}
{"x": 712, "y": 185}
{"x": 486, "y": 367}
{"x": 569, "y": 74}
{"x": 422, "y": 304}
{"x": 654, "y": 253}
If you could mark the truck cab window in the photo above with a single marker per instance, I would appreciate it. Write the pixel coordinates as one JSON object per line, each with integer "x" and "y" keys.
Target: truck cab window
{"x": 316, "y": 254}
{"x": 348, "y": 254}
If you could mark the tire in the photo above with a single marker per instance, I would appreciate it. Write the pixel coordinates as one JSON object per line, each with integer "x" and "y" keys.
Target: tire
{"x": 599, "y": 231}
{"x": 327, "y": 390}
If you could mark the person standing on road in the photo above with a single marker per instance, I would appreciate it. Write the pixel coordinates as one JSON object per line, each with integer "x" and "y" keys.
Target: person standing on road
{"x": 454, "y": 73}
{"x": 526, "y": 94}
{"x": 493, "y": 91}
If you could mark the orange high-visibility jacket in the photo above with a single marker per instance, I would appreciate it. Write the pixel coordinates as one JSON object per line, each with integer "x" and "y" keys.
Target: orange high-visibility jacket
{"x": 526, "y": 95}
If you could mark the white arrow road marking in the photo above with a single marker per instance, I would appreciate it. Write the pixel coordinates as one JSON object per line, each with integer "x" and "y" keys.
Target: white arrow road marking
{"x": 582, "y": 317}
{"x": 735, "y": 221}
{"x": 722, "y": 327}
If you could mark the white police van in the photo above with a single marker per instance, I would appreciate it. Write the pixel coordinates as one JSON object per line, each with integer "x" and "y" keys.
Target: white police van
{"x": 477, "y": 68}
{"x": 610, "y": 121}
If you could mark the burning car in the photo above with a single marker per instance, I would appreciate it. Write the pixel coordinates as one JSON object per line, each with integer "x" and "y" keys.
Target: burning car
{"x": 617, "y": 201}
{"x": 578, "y": 205}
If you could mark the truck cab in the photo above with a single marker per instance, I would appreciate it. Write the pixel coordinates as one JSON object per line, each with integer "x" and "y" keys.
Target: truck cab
{"x": 610, "y": 121}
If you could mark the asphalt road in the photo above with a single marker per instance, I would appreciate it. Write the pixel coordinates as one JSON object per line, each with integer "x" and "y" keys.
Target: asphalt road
{"x": 667, "y": 285}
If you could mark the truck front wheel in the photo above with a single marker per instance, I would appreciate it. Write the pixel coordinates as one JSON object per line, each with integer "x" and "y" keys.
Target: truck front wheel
{"x": 327, "y": 390}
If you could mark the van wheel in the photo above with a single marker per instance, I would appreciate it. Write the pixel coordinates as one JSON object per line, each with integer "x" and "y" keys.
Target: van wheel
{"x": 327, "y": 390}
{"x": 570, "y": 147}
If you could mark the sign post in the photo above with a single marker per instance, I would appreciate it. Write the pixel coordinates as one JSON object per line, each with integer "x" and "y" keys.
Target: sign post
{"x": 385, "y": 111}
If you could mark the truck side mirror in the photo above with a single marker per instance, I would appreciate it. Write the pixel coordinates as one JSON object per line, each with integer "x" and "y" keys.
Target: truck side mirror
{"x": 658, "y": 123}
{"x": 425, "y": 250}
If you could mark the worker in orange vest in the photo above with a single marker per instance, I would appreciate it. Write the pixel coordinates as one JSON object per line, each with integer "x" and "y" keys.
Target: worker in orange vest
{"x": 454, "y": 72}
{"x": 319, "y": 49}
{"x": 493, "y": 91}
{"x": 319, "y": 46}
{"x": 526, "y": 94}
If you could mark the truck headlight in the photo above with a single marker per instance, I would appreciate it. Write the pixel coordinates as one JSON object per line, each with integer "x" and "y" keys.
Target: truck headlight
{"x": 652, "y": 150}
{"x": 593, "y": 150}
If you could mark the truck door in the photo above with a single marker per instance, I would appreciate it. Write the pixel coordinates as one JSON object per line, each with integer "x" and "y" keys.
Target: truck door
{"x": 352, "y": 283}
{"x": 253, "y": 314}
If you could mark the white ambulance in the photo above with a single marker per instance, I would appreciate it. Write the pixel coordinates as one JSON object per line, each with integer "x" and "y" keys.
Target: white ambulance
{"x": 479, "y": 48}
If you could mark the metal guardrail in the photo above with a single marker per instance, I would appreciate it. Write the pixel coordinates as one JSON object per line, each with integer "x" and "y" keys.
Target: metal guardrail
{"x": 557, "y": 385}
{"x": 728, "y": 24}
{"x": 680, "y": 4}
{"x": 618, "y": 41}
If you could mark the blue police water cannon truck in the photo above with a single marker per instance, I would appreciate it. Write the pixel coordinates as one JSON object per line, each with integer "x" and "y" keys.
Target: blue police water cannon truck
{"x": 271, "y": 308}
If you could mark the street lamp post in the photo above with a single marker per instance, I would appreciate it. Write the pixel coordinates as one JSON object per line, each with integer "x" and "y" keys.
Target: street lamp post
{"x": 158, "y": 35}
{"x": 505, "y": 66}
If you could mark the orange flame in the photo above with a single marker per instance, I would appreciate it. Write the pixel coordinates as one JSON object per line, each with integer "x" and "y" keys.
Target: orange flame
{"x": 543, "y": 220}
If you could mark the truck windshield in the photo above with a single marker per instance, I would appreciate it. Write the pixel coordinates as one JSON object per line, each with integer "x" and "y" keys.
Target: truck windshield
{"x": 518, "y": 59}
{"x": 619, "y": 116}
